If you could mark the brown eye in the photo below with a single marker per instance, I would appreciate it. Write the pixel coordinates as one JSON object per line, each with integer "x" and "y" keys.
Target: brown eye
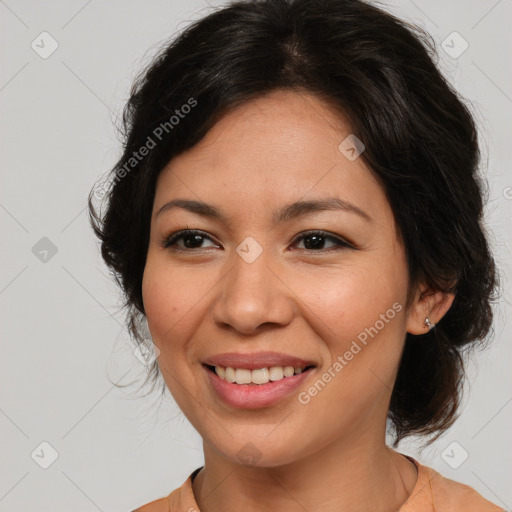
{"x": 192, "y": 239}
{"x": 316, "y": 240}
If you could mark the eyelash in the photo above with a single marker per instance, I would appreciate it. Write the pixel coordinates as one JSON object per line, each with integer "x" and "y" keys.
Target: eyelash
{"x": 170, "y": 240}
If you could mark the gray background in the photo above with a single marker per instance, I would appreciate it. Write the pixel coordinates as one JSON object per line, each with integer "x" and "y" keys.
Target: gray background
{"x": 63, "y": 342}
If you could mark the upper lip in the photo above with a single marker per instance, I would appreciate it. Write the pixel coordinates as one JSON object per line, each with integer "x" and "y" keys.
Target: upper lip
{"x": 256, "y": 360}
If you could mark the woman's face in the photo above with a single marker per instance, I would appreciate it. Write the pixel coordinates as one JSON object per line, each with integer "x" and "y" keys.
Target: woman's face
{"x": 251, "y": 283}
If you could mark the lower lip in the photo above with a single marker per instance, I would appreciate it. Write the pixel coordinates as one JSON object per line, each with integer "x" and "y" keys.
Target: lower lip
{"x": 252, "y": 396}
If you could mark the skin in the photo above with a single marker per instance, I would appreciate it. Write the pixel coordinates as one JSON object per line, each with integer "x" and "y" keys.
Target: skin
{"x": 329, "y": 454}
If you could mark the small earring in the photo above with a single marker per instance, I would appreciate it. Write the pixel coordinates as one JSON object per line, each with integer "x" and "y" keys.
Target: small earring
{"x": 428, "y": 324}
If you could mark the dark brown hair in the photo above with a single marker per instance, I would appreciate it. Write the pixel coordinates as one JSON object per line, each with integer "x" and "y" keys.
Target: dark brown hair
{"x": 421, "y": 143}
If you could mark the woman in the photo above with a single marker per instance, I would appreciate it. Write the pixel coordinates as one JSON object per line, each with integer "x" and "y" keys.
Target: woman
{"x": 296, "y": 215}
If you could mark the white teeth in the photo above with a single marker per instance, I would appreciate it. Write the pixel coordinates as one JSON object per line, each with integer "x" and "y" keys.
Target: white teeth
{"x": 288, "y": 371}
{"x": 229, "y": 375}
{"x": 259, "y": 376}
{"x": 276, "y": 373}
{"x": 243, "y": 376}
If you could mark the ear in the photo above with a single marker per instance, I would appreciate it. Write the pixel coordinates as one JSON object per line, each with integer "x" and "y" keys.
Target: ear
{"x": 427, "y": 304}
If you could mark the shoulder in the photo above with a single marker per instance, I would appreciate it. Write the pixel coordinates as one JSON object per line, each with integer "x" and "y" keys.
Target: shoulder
{"x": 180, "y": 499}
{"x": 170, "y": 503}
{"x": 160, "y": 505}
{"x": 459, "y": 496}
{"x": 434, "y": 492}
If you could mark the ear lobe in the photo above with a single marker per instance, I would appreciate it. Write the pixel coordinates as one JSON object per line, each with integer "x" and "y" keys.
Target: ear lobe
{"x": 428, "y": 304}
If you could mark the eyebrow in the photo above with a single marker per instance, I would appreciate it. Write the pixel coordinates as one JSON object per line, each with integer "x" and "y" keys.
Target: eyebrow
{"x": 291, "y": 211}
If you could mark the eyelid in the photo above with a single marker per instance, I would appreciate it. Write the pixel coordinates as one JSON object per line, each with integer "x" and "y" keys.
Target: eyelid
{"x": 173, "y": 237}
{"x": 340, "y": 241}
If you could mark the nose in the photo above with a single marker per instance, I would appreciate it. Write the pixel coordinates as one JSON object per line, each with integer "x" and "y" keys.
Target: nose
{"x": 253, "y": 295}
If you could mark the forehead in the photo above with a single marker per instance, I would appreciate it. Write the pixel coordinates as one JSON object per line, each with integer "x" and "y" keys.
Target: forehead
{"x": 277, "y": 148}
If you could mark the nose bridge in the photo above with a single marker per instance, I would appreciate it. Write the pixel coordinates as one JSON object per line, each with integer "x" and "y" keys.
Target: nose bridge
{"x": 251, "y": 294}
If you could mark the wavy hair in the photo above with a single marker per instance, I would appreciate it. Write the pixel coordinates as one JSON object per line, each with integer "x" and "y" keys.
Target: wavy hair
{"x": 421, "y": 143}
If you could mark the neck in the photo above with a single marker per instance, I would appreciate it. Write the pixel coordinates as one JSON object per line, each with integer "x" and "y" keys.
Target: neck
{"x": 342, "y": 476}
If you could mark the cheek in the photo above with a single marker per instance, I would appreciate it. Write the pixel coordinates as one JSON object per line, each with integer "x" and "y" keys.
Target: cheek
{"x": 349, "y": 300}
{"x": 359, "y": 314}
{"x": 363, "y": 336}
{"x": 159, "y": 303}
{"x": 166, "y": 299}
{"x": 174, "y": 301}
{"x": 170, "y": 299}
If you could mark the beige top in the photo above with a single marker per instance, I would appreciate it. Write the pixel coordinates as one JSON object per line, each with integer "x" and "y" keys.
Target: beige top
{"x": 432, "y": 493}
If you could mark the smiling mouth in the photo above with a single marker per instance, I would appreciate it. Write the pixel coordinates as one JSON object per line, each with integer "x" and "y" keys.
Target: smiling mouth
{"x": 258, "y": 377}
